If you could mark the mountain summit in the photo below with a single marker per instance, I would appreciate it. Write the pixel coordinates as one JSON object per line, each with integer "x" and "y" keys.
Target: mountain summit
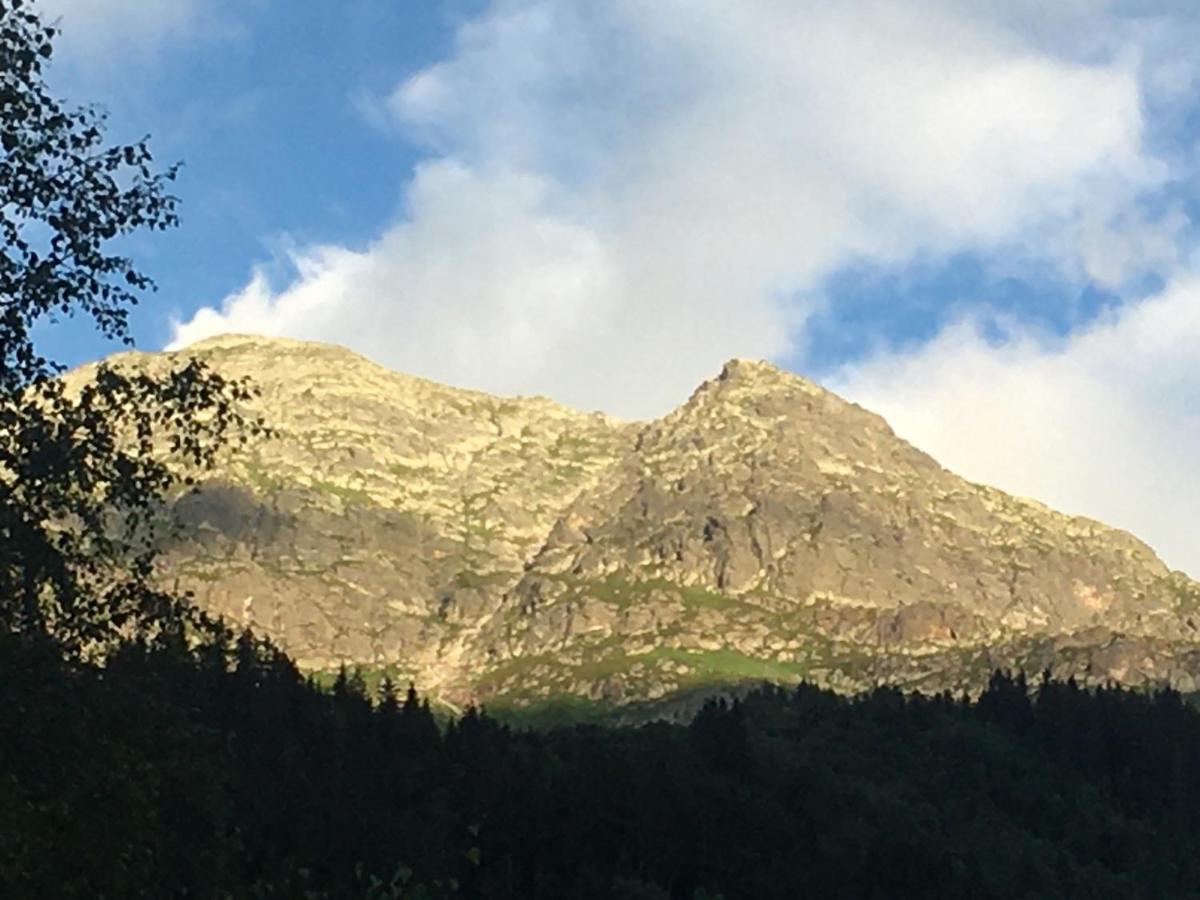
{"x": 510, "y": 548}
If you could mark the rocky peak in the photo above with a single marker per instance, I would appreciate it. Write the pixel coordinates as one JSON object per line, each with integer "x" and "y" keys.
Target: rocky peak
{"x": 761, "y": 393}
{"x": 253, "y": 342}
{"x": 745, "y": 369}
{"x": 755, "y": 415}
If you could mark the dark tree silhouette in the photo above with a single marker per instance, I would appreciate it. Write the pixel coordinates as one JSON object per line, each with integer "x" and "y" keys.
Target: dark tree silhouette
{"x": 84, "y": 468}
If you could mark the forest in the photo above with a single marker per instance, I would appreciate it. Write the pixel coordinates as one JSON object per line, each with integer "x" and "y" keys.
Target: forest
{"x": 221, "y": 771}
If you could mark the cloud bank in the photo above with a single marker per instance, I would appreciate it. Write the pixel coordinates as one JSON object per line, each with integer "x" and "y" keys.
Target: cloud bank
{"x": 618, "y": 197}
{"x": 1105, "y": 422}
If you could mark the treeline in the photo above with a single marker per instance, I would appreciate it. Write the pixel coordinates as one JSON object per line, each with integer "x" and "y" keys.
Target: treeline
{"x": 222, "y": 772}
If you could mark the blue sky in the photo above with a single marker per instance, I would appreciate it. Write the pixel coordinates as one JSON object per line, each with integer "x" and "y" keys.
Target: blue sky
{"x": 976, "y": 219}
{"x": 260, "y": 106}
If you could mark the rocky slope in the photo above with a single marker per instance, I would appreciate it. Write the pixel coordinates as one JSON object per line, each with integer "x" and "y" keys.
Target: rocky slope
{"x": 511, "y": 548}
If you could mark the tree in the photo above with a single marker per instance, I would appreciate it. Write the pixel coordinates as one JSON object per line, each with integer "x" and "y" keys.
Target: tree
{"x": 85, "y": 468}
{"x": 718, "y": 734}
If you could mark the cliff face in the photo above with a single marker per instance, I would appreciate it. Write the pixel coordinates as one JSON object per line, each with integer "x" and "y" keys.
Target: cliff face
{"x": 490, "y": 547}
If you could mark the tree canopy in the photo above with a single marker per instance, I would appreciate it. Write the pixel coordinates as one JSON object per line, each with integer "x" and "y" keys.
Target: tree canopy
{"x": 85, "y": 467}
{"x": 228, "y": 775}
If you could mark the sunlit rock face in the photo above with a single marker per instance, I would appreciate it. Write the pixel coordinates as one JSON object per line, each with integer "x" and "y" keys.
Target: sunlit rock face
{"x": 491, "y": 547}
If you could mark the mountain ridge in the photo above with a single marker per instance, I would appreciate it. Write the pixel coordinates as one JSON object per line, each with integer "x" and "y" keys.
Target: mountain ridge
{"x": 512, "y": 548}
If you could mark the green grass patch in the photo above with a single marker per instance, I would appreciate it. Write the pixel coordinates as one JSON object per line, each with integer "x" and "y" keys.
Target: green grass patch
{"x": 706, "y": 669}
{"x": 348, "y": 495}
{"x": 730, "y": 665}
{"x": 469, "y": 579}
{"x": 704, "y": 598}
{"x": 400, "y": 470}
{"x": 208, "y": 575}
{"x": 261, "y": 480}
{"x": 572, "y": 447}
{"x": 512, "y": 667}
{"x": 553, "y": 712}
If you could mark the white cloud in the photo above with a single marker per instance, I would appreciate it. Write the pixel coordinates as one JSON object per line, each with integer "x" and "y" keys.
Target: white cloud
{"x": 1105, "y": 423}
{"x": 620, "y": 196}
{"x": 1126, "y": 243}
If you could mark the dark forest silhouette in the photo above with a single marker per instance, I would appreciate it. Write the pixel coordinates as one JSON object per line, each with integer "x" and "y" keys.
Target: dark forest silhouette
{"x": 221, "y": 772}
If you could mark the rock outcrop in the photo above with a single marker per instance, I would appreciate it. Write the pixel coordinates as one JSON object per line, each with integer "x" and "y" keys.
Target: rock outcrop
{"x": 510, "y": 547}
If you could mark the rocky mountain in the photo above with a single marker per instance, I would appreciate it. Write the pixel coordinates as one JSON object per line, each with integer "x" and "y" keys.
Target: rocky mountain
{"x": 511, "y": 549}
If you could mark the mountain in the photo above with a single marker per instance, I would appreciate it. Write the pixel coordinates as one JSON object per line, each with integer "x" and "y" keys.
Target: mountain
{"x": 514, "y": 550}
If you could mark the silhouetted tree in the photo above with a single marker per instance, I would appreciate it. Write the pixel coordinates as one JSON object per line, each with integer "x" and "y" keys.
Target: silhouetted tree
{"x": 719, "y": 735}
{"x": 84, "y": 469}
{"x": 1006, "y": 701}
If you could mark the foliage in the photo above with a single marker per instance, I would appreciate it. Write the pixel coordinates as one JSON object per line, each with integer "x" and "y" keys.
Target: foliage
{"x": 84, "y": 470}
{"x": 64, "y": 196}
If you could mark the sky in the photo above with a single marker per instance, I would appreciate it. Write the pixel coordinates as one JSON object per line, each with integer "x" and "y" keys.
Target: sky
{"x": 975, "y": 218}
